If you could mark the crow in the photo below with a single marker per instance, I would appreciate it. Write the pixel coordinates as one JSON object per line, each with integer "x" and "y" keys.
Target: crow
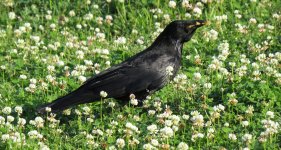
{"x": 141, "y": 74}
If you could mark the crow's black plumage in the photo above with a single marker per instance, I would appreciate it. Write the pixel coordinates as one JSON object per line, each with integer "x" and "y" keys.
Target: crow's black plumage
{"x": 141, "y": 74}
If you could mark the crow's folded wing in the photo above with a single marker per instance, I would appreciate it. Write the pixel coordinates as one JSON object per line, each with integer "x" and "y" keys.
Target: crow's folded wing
{"x": 125, "y": 79}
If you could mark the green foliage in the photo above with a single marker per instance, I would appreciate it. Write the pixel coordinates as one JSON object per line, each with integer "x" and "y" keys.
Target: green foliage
{"x": 226, "y": 96}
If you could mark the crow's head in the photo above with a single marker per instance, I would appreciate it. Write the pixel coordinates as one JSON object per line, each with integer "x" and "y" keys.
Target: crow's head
{"x": 183, "y": 30}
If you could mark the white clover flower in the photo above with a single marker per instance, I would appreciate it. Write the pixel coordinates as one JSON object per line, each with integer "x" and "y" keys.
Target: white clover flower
{"x": 148, "y": 146}
{"x": 250, "y": 110}
{"x": 151, "y": 112}
{"x": 51, "y": 68}
{"x": 39, "y": 122}
{"x": 49, "y": 78}
{"x": 175, "y": 128}
{"x": 197, "y": 76}
{"x": 185, "y": 4}
{"x": 67, "y": 112}
{"x": 77, "y": 112}
{"x": 224, "y": 47}
{"x": 52, "y": 26}
{"x": 211, "y": 35}
{"x": 88, "y": 62}
{"x": 195, "y": 113}
{"x": 112, "y": 147}
{"x": 180, "y": 80}
{"x": 12, "y": 15}
{"x": 91, "y": 120}
{"x": 152, "y": 128}
{"x": 207, "y": 85}
{"x": 182, "y": 146}
{"x": 71, "y": 13}
{"x": 79, "y": 54}
{"x": 18, "y": 109}
{"x": 99, "y": 20}
{"x": 2, "y": 120}
{"x": 100, "y": 36}
{"x": 33, "y": 81}
{"x": 197, "y": 119}
{"x": 21, "y": 122}
{"x": 168, "y": 123}
{"x": 169, "y": 70}
{"x": 154, "y": 142}
{"x": 172, "y": 4}
{"x": 88, "y": 16}
{"x": 226, "y": 124}
{"x": 27, "y": 25}
{"x": 187, "y": 15}
{"x": 196, "y": 136}
{"x": 5, "y": 137}
{"x": 43, "y": 146}
{"x": 221, "y": 107}
{"x": 120, "y": 40}
{"x": 134, "y": 31}
{"x": 252, "y": 21}
{"x": 132, "y": 127}
{"x": 111, "y": 104}
{"x": 140, "y": 41}
{"x": 175, "y": 119}
{"x": 108, "y": 19}
{"x": 98, "y": 132}
{"x": 78, "y": 26}
{"x": 120, "y": 143}
{"x": 103, "y": 94}
{"x": 245, "y": 123}
{"x": 270, "y": 114}
{"x": 60, "y": 63}
{"x": 41, "y": 28}
{"x": 232, "y": 137}
{"x": 134, "y": 102}
{"x": 86, "y": 110}
{"x": 167, "y": 132}
{"x": 7, "y": 110}
{"x": 114, "y": 123}
{"x": 247, "y": 137}
{"x": 34, "y": 134}
{"x": 17, "y": 32}
{"x": 23, "y": 77}
{"x": 221, "y": 18}
{"x": 232, "y": 64}
{"x": 185, "y": 117}
{"x": 48, "y": 17}
{"x": 36, "y": 39}
{"x": 22, "y": 29}
{"x": 197, "y": 11}
{"x": 10, "y": 119}
{"x": 167, "y": 17}
{"x": 82, "y": 79}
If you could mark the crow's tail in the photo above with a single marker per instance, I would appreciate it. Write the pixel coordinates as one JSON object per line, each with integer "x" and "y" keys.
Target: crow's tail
{"x": 78, "y": 96}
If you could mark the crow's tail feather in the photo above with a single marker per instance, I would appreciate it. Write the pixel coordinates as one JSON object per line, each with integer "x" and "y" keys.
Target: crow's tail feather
{"x": 73, "y": 98}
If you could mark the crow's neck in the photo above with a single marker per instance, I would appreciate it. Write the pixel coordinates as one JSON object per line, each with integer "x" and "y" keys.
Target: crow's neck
{"x": 168, "y": 44}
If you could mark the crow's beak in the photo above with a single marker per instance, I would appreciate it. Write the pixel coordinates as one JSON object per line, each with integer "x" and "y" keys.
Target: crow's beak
{"x": 198, "y": 23}
{"x": 201, "y": 23}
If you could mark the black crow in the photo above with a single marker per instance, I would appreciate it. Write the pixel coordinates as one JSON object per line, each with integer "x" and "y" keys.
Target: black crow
{"x": 142, "y": 74}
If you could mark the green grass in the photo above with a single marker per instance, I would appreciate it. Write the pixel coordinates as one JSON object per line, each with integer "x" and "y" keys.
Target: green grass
{"x": 216, "y": 99}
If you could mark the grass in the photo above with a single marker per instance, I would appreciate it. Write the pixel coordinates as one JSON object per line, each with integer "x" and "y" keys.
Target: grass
{"x": 226, "y": 95}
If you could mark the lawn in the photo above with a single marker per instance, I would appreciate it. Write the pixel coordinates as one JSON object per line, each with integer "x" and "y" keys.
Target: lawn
{"x": 225, "y": 96}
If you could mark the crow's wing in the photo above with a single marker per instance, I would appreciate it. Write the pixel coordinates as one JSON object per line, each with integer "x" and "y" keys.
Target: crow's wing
{"x": 125, "y": 79}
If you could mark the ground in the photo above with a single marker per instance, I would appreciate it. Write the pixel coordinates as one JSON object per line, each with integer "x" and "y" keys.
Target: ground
{"x": 226, "y": 95}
